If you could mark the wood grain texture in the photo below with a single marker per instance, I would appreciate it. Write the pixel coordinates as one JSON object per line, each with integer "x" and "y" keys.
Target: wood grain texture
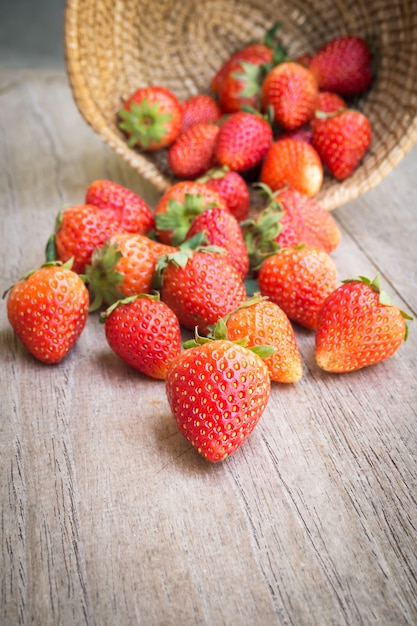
{"x": 108, "y": 517}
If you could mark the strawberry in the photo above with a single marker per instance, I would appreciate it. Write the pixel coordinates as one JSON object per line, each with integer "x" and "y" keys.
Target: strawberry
{"x": 200, "y": 285}
{"x": 255, "y": 53}
{"x": 200, "y": 109}
{"x": 290, "y": 219}
{"x": 242, "y": 85}
{"x": 151, "y": 118}
{"x": 232, "y": 187}
{"x": 327, "y": 102}
{"x": 243, "y": 140}
{"x": 291, "y": 90}
{"x": 179, "y": 205}
{"x": 298, "y": 280}
{"x": 78, "y": 231}
{"x": 263, "y": 322}
{"x": 48, "y": 310}
{"x": 343, "y": 65}
{"x": 222, "y": 229}
{"x": 341, "y": 140}
{"x": 295, "y": 163}
{"x": 192, "y": 153}
{"x": 129, "y": 209}
{"x": 143, "y": 332}
{"x": 123, "y": 266}
{"x": 357, "y": 326}
{"x": 217, "y": 391}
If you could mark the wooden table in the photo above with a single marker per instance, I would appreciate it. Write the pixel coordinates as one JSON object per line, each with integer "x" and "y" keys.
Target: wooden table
{"x": 108, "y": 517}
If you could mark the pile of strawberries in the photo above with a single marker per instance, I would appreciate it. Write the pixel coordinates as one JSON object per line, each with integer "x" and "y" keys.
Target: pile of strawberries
{"x": 202, "y": 261}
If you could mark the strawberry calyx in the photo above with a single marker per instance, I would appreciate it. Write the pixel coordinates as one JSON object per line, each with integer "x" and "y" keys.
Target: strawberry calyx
{"x": 218, "y": 332}
{"x": 144, "y": 123}
{"x": 214, "y": 173}
{"x": 179, "y": 215}
{"x": 101, "y": 277}
{"x": 155, "y": 296}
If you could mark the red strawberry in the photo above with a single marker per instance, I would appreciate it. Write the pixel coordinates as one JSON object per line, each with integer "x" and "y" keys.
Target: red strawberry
{"x": 242, "y": 85}
{"x": 78, "y": 231}
{"x": 327, "y": 102}
{"x": 298, "y": 280}
{"x": 48, "y": 310}
{"x": 222, "y": 229}
{"x": 232, "y": 187}
{"x": 179, "y": 205}
{"x": 291, "y": 90}
{"x": 243, "y": 141}
{"x": 123, "y": 266}
{"x": 200, "y": 286}
{"x": 343, "y": 65}
{"x": 217, "y": 392}
{"x": 200, "y": 109}
{"x": 263, "y": 322}
{"x": 192, "y": 154}
{"x": 258, "y": 52}
{"x": 144, "y": 332}
{"x": 358, "y": 326}
{"x": 151, "y": 118}
{"x": 295, "y": 163}
{"x": 129, "y": 209}
{"x": 341, "y": 140}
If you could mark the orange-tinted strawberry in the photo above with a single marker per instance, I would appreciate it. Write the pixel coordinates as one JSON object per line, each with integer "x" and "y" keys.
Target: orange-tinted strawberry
{"x": 217, "y": 392}
{"x": 192, "y": 153}
{"x": 222, "y": 229}
{"x": 232, "y": 187}
{"x": 357, "y": 326}
{"x": 78, "y": 231}
{"x": 263, "y": 322}
{"x": 144, "y": 332}
{"x": 200, "y": 109}
{"x": 179, "y": 205}
{"x": 123, "y": 266}
{"x": 48, "y": 310}
{"x": 342, "y": 140}
{"x": 130, "y": 210}
{"x": 291, "y": 90}
{"x": 243, "y": 140}
{"x": 200, "y": 286}
{"x": 151, "y": 118}
{"x": 295, "y": 163}
{"x": 298, "y": 280}
{"x": 343, "y": 65}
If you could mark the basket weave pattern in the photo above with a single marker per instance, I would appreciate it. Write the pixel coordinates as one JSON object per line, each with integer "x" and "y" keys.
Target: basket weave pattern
{"x": 113, "y": 47}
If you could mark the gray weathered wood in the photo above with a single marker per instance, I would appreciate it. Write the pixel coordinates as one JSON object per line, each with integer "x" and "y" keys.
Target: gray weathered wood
{"x": 109, "y": 517}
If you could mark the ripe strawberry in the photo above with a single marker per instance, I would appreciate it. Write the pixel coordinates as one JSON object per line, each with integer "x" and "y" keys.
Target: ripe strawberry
{"x": 358, "y": 326}
{"x": 222, "y": 229}
{"x": 298, "y": 280}
{"x": 151, "y": 118}
{"x": 217, "y": 392}
{"x": 192, "y": 153}
{"x": 290, "y": 219}
{"x": 242, "y": 85}
{"x": 78, "y": 231}
{"x": 327, "y": 102}
{"x": 252, "y": 53}
{"x": 291, "y": 90}
{"x": 341, "y": 140}
{"x": 123, "y": 266}
{"x": 232, "y": 187}
{"x": 48, "y": 310}
{"x": 295, "y": 163}
{"x": 263, "y": 322}
{"x": 179, "y": 205}
{"x": 144, "y": 332}
{"x": 343, "y": 65}
{"x": 129, "y": 209}
{"x": 243, "y": 141}
{"x": 200, "y": 286}
{"x": 200, "y": 109}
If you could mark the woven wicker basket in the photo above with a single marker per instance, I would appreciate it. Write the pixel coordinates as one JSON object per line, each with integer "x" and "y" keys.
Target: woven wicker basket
{"x": 113, "y": 47}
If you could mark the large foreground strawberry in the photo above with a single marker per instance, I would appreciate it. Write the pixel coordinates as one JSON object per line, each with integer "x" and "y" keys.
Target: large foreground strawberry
{"x": 217, "y": 392}
{"x": 358, "y": 325}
